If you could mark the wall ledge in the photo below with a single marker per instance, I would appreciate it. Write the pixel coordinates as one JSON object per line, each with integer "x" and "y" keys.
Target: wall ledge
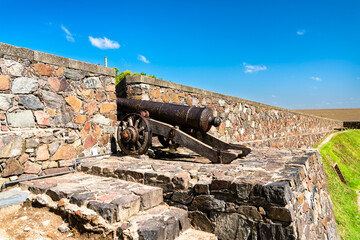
{"x": 32, "y": 55}
{"x": 139, "y": 79}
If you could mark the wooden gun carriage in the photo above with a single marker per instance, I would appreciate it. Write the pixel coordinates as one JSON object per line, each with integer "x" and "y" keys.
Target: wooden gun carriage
{"x": 184, "y": 125}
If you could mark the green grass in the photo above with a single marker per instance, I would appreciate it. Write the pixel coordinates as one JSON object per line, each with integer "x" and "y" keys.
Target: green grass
{"x": 344, "y": 149}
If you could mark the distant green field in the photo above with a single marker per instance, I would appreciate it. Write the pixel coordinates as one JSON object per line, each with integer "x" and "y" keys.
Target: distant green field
{"x": 344, "y": 149}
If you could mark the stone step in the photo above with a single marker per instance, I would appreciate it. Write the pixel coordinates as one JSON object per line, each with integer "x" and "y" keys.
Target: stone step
{"x": 159, "y": 223}
{"x": 113, "y": 199}
{"x": 192, "y": 234}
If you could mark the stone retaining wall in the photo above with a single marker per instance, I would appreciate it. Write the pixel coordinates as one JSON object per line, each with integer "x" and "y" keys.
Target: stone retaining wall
{"x": 243, "y": 121}
{"x": 52, "y": 109}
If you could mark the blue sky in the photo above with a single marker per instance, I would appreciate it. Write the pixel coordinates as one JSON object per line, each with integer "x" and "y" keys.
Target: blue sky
{"x": 292, "y": 54}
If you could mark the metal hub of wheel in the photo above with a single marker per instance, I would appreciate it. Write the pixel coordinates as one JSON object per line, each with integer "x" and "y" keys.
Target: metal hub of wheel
{"x": 134, "y": 134}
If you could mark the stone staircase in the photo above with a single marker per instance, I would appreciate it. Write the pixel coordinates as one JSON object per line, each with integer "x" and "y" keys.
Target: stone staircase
{"x": 119, "y": 209}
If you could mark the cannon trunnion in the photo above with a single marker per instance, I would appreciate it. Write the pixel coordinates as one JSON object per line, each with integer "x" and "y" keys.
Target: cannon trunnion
{"x": 184, "y": 125}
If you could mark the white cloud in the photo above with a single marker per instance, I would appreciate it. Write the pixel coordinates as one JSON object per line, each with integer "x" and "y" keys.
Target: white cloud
{"x": 69, "y": 36}
{"x": 253, "y": 68}
{"x": 104, "y": 43}
{"x": 273, "y": 96}
{"x": 143, "y": 58}
{"x": 300, "y": 32}
{"x": 316, "y": 79}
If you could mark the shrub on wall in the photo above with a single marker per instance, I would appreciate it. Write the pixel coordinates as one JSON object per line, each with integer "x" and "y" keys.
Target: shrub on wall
{"x": 121, "y": 75}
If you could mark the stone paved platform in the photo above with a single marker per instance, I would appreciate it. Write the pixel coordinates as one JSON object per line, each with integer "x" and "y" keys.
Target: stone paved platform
{"x": 119, "y": 209}
{"x": 271, "y": 192}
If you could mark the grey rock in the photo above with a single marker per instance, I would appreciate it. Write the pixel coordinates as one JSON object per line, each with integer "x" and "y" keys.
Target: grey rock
{"x": 10, "y": 67}
{"x": 12, "y": 146}
{"x": 80, "y": 198}
{"x": 63, "y": 228}
{"x": 106, "y": 210}
{"x": 208, "y": 202}
{"x": 63, "y": 118}
{"x": 21, "y": 119}
{"x": 152, "y": 229}
{"x": 31, "y": 102}
{"x": 52, "y": 100}
{"x": 273, "y": 231}
{"x": 72, "y": 74}
{"x": 201, "y": 222}
{"x": 6, "y": 101}
{"x": 23, "y": 85}
{"x": 184, "y": 197}
{"x": 13, "y": 196}
{"x": 278, "y": 192}
{"x": 92, "y": 82}
{"x": 231, "y": 226}
{"x": 13, "y": 167}
{"x": 280, "y": 214}
{"x": 100, "y": 119}
{"x": 53, "y": 147}
{"x": 32, "y": 143}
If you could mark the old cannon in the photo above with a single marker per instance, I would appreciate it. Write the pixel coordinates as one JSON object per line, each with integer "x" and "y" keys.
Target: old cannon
{"x": 184, "y": 125}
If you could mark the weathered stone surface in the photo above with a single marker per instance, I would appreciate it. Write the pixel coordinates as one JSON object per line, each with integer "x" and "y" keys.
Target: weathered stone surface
{"x": 150, "y": 197}
{"x": 4, "y": 82}
{"x": 72, "y": 74}
{"x": 231, "y": 226}
{"x": 208, "y": 202}
{"x": 13, "y": 167}
{"x": 183, "y": 197}
{"x": 107, "y": 107}
{"x": 100, "y": 119}
{"x": 181, "y": 180}
{"x": 80, "y": 198}
{"x": 32, "y": 168}
{"x": 10, "y": 67}
{"x": 91, "y": 107}
{"x": 278, "y": 192}
{"x": 31, "y": 143}
{"x": 250, "y": 212}
{"x": 280, "y": 214}
{"x": 52, "y": 100}
{"x": 200, "y": 221}
{"x": 23, "y": 85}
{"x": 57, "y": 85}
{"x": 43, "y": 69}
{"x": 42, "y": 153}
{"x": 64, "y": 117}
{"x": 67, "y": 151}
{"x": 80, "y": 118}
{"x": 6, "y": 101}
{"x": 20, "y": 119}
{"x": 127, "y": 206}
{"x": 31, "y": 102}
{"x": 49, "y": 164}
{"x": 53, "y": 147}
{"x": 74, "y": 102}
{"x": 92, "y": 82}
{"x": 42, "y": 118}
{"x": 89, "y": 141}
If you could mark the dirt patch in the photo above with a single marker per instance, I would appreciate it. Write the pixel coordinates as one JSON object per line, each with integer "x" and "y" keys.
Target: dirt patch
{"x": 31, "y": 223}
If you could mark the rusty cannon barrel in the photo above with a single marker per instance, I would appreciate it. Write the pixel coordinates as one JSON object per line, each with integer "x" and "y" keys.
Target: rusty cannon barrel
{"x": 198, "y": 118}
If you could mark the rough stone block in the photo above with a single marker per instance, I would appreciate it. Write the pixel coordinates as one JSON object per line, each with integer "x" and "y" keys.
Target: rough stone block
{"x": 24, "y": 85}
{"x": 6, "y": 101}
{"x": 21, "y": 119}
{"x": 127, "y": 206}
{"x": 12, "y": 68}
{"x": 150, "y": 197}
{"x": 31, "y": 102}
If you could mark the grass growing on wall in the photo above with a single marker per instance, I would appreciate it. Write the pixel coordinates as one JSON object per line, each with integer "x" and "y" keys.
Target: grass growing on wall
{"x": 121, "y": 75}
{"x": 344, "y": 149}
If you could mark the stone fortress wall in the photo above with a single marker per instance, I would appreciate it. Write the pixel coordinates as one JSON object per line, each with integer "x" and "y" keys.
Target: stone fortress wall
{"x": 243, "y": 121}
{"x": 52, "y": 110}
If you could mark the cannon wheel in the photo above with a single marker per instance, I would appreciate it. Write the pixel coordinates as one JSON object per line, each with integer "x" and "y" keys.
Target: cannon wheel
{"x": 166, "y": 142}
{"x": 134, "y": 134}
